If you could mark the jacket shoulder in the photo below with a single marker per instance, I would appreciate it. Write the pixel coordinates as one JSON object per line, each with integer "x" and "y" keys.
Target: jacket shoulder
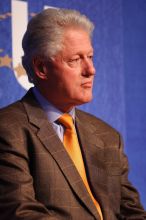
{"x": 12, "y": 114}
{"x": 16, "y": 112}
{"x": 97, "y": 122}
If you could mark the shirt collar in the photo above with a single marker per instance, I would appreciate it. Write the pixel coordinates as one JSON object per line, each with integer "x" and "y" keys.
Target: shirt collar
{"x": 52, "y": 112}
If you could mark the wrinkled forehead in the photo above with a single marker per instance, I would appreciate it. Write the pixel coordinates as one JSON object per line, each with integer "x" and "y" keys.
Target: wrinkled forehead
{"x": 75, "y": 41}
{"x": 76, "y": 36}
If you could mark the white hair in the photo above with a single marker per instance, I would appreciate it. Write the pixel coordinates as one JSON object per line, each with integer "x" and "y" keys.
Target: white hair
{"x": 44, "y": 34}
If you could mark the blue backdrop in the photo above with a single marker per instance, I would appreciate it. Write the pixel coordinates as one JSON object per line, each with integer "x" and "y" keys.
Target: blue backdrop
{"x": 120, "y": 54}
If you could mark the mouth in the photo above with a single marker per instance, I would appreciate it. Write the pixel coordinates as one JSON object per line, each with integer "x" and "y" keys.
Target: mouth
{"x": 87, "y": 84}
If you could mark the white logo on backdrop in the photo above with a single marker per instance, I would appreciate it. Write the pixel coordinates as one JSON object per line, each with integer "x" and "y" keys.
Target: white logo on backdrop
{"x": 19, "y": 23}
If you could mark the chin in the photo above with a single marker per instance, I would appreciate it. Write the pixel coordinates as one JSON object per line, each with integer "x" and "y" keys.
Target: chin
{"x": 85, "y": 100}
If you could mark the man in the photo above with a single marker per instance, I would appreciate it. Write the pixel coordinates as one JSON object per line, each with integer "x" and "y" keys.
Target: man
{"x": 50, "y": 169}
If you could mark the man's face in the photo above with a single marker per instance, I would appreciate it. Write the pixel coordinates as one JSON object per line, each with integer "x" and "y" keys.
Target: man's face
{"x": 71, "y": 73}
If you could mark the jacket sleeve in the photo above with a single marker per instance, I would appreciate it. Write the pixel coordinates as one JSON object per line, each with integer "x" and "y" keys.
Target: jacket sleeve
{"x": 131, "y": 208}
{"x": 17, "y": 195}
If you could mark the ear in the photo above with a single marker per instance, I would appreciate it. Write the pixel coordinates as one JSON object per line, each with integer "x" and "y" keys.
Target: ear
{"x": 40, "y": 68}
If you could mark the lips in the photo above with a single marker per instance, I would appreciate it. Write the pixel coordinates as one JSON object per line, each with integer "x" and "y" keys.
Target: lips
{"x": 87, "y": 84}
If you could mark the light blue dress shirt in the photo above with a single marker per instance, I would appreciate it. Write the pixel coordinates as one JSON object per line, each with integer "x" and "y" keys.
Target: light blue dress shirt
{"x": 52, "y": 112}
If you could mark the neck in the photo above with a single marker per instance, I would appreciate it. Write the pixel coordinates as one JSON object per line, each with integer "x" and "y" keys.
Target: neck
{"x": 63, "y": 107}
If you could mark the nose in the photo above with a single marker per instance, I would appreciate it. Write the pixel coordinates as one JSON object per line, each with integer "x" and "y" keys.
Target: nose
{"x": 88, "y": 68}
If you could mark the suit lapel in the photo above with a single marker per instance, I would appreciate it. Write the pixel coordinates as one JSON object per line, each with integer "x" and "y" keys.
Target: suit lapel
{"x": 94, "y": 157}
{"x": 58, "y": 152}
{"x": 50, "y": 140}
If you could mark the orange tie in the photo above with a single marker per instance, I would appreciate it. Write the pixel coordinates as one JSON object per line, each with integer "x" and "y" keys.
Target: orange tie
{"x": 71, "y": 144}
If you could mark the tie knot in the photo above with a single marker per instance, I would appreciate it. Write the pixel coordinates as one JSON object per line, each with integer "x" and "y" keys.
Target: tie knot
{"x": 67, "y": 121}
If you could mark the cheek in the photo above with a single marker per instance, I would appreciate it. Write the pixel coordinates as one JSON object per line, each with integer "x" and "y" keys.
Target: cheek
{"x": 67, "y": 78}
{"x": 71, "y": 78}
{"x": 70, "y": 86}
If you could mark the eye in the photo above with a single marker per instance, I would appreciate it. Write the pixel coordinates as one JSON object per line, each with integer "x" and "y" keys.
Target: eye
{"x": 74, "y": 60}
{"x": 90, "y": 57}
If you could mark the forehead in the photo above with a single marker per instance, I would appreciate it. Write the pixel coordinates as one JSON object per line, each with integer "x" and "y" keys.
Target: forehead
{"x": 76, "y": 39}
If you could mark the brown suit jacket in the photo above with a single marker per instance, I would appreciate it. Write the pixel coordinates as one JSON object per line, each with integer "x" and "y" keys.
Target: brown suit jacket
{"x": 38, "y": 180}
